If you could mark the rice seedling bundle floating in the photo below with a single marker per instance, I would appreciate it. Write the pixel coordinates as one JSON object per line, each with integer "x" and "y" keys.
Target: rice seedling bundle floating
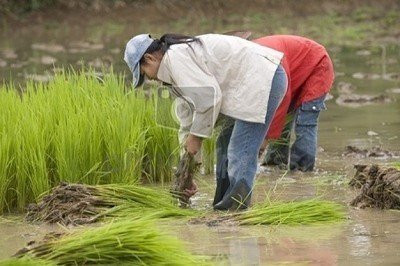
{"x": 311, "y": 211}
{"x": 83, "y": 204}
{"x": 79, "y": 128}
{"x": 132, "y": 242}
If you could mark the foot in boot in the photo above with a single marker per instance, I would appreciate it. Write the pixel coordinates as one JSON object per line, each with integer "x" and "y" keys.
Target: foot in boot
{"x": 275, "y": 159}
{"x": 222, "y": 187}
{"x": 239, "y": 198}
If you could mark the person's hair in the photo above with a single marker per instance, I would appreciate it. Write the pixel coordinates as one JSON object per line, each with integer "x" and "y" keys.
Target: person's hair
{"x": 164, "y": 43}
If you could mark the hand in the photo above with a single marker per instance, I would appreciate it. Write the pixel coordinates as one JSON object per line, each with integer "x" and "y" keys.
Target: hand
{"x": 193, "y": 144}
{"x": 189, "y": 192}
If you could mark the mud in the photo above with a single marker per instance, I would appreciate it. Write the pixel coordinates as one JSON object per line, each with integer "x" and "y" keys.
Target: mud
{"x": 374, "y": 152}
{"x": 68, "y": 204}
{"x": 184, "y": 174}
{"x": 357, "y": 100}
{"x": 33, "y": 247}
{"x": 214, "y": 219}
{"x": 379, "y": 187}
{"x": 345, "y": 87}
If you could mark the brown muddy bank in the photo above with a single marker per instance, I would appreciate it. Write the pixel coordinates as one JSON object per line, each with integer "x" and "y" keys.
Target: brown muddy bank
{"x": 374, "y": 152}
{"x": 378, "y": 186}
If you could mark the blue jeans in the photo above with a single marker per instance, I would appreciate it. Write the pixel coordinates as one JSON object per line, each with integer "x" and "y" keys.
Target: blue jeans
{"x": 303, "y": 151}
{"x": 239, "y": 141}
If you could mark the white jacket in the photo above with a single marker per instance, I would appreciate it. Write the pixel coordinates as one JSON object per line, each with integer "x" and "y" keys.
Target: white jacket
{"x": 221, "y": 74}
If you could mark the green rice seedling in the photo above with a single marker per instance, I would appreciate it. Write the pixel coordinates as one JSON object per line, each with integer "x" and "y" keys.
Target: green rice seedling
{"x": 312, "y": 211}
{"x": 162, "y": 138}
{"x": 79, "y": 128}
{"x": 25, "y": 261}
{"x": 81, "y": 204}
{"x": 208, "y": 155}
{"x": 128, "y": 199}
{"x": 134, "y": 242}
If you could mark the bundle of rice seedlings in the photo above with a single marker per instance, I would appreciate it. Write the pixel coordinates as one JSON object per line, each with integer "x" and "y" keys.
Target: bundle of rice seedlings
{"x": 26, "y": 261}
{"x": 134, "y": 242}
{"x": 311, "y": 211}
{"x": 82, "y": 204}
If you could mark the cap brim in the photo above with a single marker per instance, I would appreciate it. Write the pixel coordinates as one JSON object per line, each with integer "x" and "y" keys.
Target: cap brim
{"x": 137, "y": 77}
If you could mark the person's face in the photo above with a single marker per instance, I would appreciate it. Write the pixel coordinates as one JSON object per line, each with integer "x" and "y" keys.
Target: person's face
{"x": 150, "y": 66}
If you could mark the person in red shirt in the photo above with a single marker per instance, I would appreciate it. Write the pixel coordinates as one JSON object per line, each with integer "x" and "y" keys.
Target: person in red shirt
{"x": 310, "y": 77}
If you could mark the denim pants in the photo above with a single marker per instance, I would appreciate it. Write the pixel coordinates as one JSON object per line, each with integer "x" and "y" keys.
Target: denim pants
{"x": 239, "y": 141}
{"x": 304, "y": 149}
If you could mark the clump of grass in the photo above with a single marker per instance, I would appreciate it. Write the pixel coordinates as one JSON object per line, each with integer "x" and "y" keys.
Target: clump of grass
{"x": 135, "y": 242}
{"x": 78, "y": 128}
{"x": 82, "y": 204}
{"x": 312, "y": 211}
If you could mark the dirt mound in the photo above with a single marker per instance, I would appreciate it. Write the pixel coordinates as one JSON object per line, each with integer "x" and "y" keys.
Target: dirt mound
{"x": 379, "y": 187}
{"x": 357, "y": 100}
{"x": 345, "y": 88}
{"x": 212, "y": 220}
{"x": 68, "y": 204}
{"x": 377, "y": 152}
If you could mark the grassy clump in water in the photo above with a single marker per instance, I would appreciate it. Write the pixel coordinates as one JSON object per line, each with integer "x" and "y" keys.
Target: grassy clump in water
{"x": 135, "y": 242}
{"x": 82, "y": 204}
{"x": 79, "y": 128}
{"x": 312, "y": 211}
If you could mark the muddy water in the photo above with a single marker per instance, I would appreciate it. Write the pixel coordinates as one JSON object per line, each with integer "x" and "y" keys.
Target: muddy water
{"x": 369, "y": 237}
{"x": 15, "y": 233}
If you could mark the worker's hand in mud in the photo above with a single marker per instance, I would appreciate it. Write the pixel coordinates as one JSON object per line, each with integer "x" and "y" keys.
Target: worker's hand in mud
{"x": 189, "y": 192}
{"x": 193, "y": 144}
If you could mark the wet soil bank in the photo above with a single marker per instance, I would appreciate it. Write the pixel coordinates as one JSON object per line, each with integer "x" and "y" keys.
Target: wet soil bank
{"x": 374, "y": 152}
{"x": 378, "y": 187}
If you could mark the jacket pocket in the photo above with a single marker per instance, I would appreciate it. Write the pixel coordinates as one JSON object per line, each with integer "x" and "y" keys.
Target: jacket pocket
{"x": 308, "y": 113}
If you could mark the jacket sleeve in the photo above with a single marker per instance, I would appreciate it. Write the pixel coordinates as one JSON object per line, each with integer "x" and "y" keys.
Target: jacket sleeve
{"x": 192, "y": 79}
{"x": 184, "y": 114}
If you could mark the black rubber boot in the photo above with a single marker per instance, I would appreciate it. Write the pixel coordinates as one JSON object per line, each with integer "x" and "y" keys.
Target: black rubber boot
{"x": 222, "y": 187}
{"x": 239, "y": 198}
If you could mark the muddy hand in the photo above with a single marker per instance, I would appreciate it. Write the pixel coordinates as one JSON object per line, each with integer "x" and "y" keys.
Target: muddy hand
{"x": 193, "y": 144}
{"x": 189, "y": 192}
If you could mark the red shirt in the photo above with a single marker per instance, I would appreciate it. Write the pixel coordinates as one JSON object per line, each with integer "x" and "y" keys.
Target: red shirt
{"x": 309, "y": 71}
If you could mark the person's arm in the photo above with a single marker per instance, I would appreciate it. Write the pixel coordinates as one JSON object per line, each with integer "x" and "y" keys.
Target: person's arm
{"x": 184, "y": 114}
{"x": 203, "y": 90}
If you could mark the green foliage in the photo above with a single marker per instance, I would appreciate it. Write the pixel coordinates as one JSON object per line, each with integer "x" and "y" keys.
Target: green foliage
{"x": 78, "y": 128}
{"x": 208, "y": 155}
{"x": 133, "y": 242}
{"x": 26, "y": 261}
{"x": 131, "y": 200}
{"x": 292, "y": 213}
